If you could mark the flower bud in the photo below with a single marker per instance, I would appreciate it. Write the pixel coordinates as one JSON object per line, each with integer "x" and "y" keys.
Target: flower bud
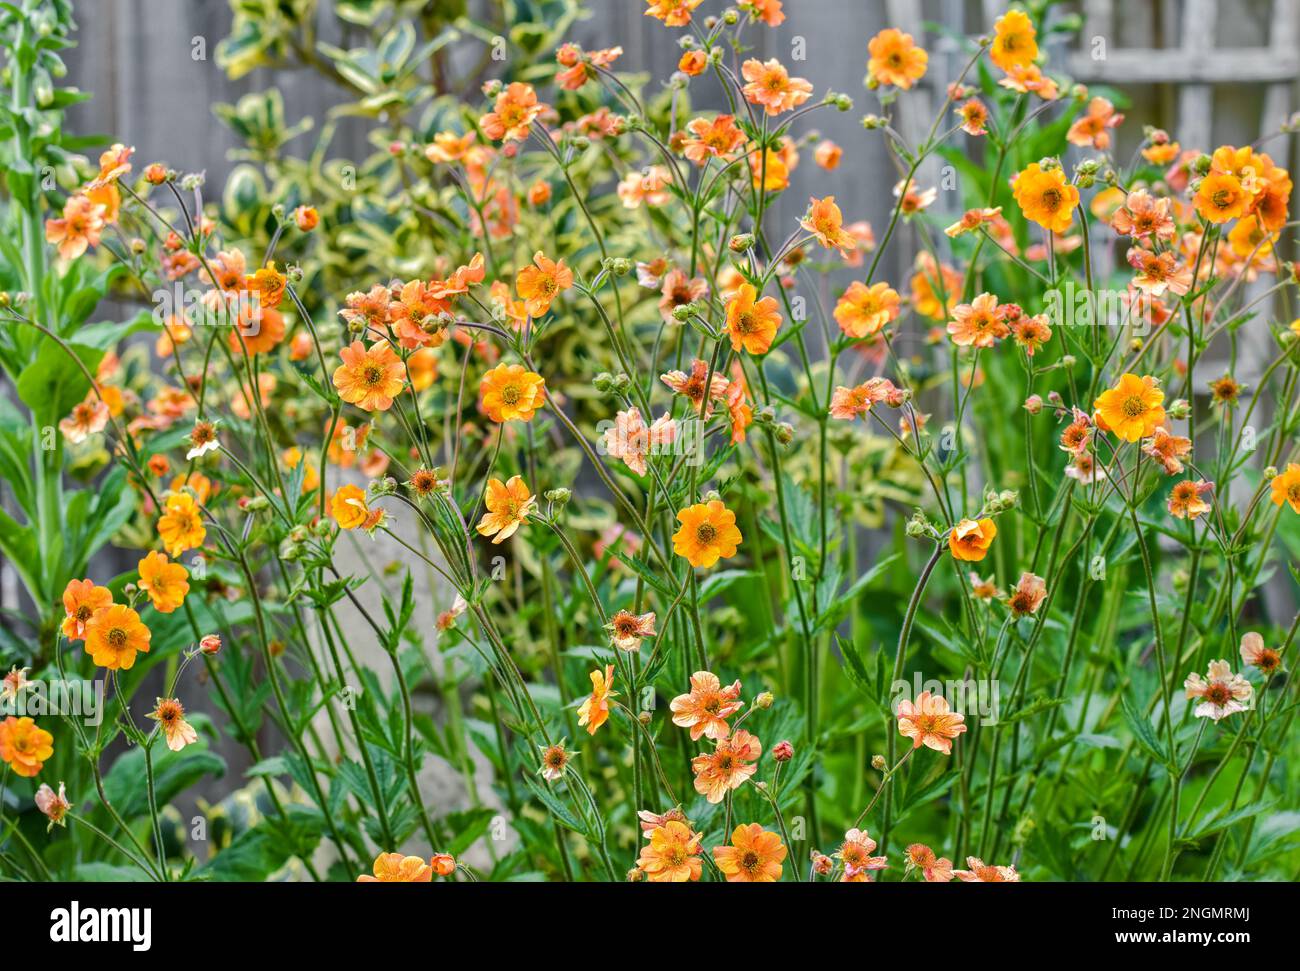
{"x": 878, "y": 763}
{"x": 783, "y": 751}
{"x": 764, "y": 700}
{"x": 210, "y": 645}
{"x": 1034, "y": 404}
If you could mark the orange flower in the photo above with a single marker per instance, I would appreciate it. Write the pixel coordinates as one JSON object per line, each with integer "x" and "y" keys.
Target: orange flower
{"x": 81, "y": 598}
{"x": 767, "y": 11}
{"x": 627, "y": 629}
{"x": 706, "y": 708}
{"x": 1132, "y": 409}
{"x": 165, "y": 583}
{"x": 1168, "y": 450}
{"x": 307, "y": 218}
{"x": 752, "y": 323}
{"x": 692, "y": 385}
{"x": 825, "y": 221}
{"x": 928, "y": 722}
{"x": 719, "y": 138}
{"x": 510, "y": 392}
{"x": 856, "y": 852}
{"x": 1285, "y": 488}
{"x": 1093, "y": 128}
{"x": 1014, "y": 43}
{"x": 727, "y": 766}
{"x": 770, "y": 85}
{"x": 828, "y": 155}
{"x": 348, "y": 506}
{"x": 979, "y": 872}
{"x": 270, "y": 285}
{"x": 970, "y": 540}
{"x": 935, "y": 870}
{"x": 895, "y": 59}
{"x": 925, "y": 285}
{"x": 708, "y": 533}
{"x": 170, "y": 716}
{"x": 864, "y": 311}
{"x": 513, "y": 114}
{"x": 1046, "y": 197}
{"x": 114, "y": 635}
{"x": 631, "y": 440}
{"x": 674, "y": 13}
{"x": 540, "y": 283}
{"x": 54, "y": 805}
{"x": 88, "y": 417}
{"x": 672, "y": 855}
{"x": 1221, "y": 197}
{"x": 509, "y": 505}
{"x": 1030, "y": 78}
{"x": 693, "y": 63}
{"x": 395, "y": 868}
{"x": 180, "y": 526}
{"x": 978, "y": 324}
{"x": 754, "y": 856}
{"x": 595, "y": 710}
{"x": 1185, "y": 500}
{"x": 78, "y": 230}
{"x": 974, "y": 116}
{"x": 369, "y": 378}
{"x": 24, "y": 747}
{"x": 1257, "y": 655}
{"x": 1028, "y": 596}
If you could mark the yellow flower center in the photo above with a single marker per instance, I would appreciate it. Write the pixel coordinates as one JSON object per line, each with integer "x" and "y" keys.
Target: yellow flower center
{"x": 511, "y": 394}
{"x": 1134, "y": 406}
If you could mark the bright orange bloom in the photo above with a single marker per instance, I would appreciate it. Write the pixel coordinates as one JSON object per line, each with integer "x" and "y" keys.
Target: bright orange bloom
{"x": 395, "y": 868}
{"x": 1185, "y": 500}
{"x": 828, "y": 155}
{"x": 540, "y": 283}
{"x": 627, "y": 630}
{"x": 348, "y": 506}
{"x": 1093, "y": 129}
{"x": 727, "y": 766}
{"x": 369, "y": 378}
{"x": 1046, "y": 197}
{"x": 672, "y": 855}
{"x": 1221, "y": 197}
{"x": 974, "y": 117}
{"x": 1285, "y": 488}
{"x": 927, "y": 283}
{"x": 770, "y": 85}
{"x": 81, "y": 598}
{"x": 1028, "y": 596}
{"x": 181, "y": 527}
{"x": 165, "y": 583}
{"x": 510, "y": 392}
{"x": 864, "y": 311}
{"x": 1030, "y": 78}
{"x": 708, "y": 533}
{"x": 114, "y": 635}
{"x": 307, "y": 218}
{"x": 1132, "y": 409}
{"x": 674, "y": 13}
{"x": 270, "y": 284}
{"x": 706, "y": 708}
{"x": 752, "y": 323}
{"x": 895, "y": 59}
{"x": 24, "y": 747}
{"x": 825, "y": 221}
{"x": 595, "y": 710}
{"x": 929, "y": 722}
{"x": 693, "y": 63}
{"x": 754, "y": 856}
{"x": 767, "y": 11}
{"x": 513, "y": 114}
{"x": 934, "y": 869}
{"x": 170, "y": 716}
{"x": 509, "y": 505}
{"x": 719, "y": 138}
{"x": 970, "y": 540}
{"x": 979, "y": 872}
{"x": 1014, "y": 41}
{"x": 856, "y": 852}
{"x": 78, "y": 230}
{"x": 978, "y": 324}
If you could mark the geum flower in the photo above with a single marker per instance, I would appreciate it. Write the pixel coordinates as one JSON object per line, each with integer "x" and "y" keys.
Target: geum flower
{"x": 631, "y": 440}
{"x": 826, "y": 223}
{"x": 165, "y": 583}
{"x": 978, "y": 323}
{"x": 170, "y": 716}
{"x": 369, "y": 378}
{"x": 754, "y": 856}
{"x": 1045, "y": 197}
{"x": 181, "y": 527}
{"x": 1285, "y": 487}
{"x": 1132, "y": 409}
{"x": 707, "y": 534}
{"x": 1257, "y": 655}
{"x": 627, "y": 629}
{"x": 395, "y": 868}
{"x": 509, "y": 505}
{"x": 864, "y": 311}
{"x": 510, "y": 392}
{"x": 970, "y": 539}
{"x": 594, "y": 711}
{"x": 728, "y": 766}
{"x": 769, "y": 84}
{"x": 934, "y": 869}
{"x": 751, "y": 322}
{"x": 1222, "y": 693}
{"x": 672, "y": 855}
{"x": 114, "y": 636}
{"x": 895, "y": 59}
{"x": 1185, "y": 500}
{"x": 707, "y": 706}
{"x": 692, "y": 386}
{"x": 541, "y": 282}
{"x": 929, "y": 722}
{"x": 24, "y": 747}
{"x": 980, "y": 872}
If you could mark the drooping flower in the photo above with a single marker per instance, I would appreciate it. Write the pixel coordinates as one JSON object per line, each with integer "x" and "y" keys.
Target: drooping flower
{"x": 895, "y": 59}
{"x": 165, "y": 583}
{"x": 692, "y": 386}
{"x": 1046, "y": 197}
{"x": 825, "y": 221}
{"x": 54, "y": 805}
{"x": 444, "y": 864}
{"x": 1285, "y": 487}
{"x": 627, "y": 629}
{"x": 13, "y": 683}
{"x": 1093, "y": 128}
{"x": 395, "y": 868}
{"x": 348, "y": 506}
{"x": 970, "y": 539}
{"x": 1028, "y": 595}
{"x": 88, "y": 417}
{"x": 934, "y": 869}
{"x": 1132, "y": 409}
{"x": 855, "y": 852}
{"x": 726, "y": 768}
{"x": 1168, "y": 450}
{"x": 1222, "y": 693}
{"x": 509, "y": 505}
{"x": 370, "y": 377}
{"x": 707, "y": 534}
{"x": 707, "y": 706}
{"x": 180, "y": 526}
{"x": 170, "y": 716}
{"x": 979, "y": 872}
{"x": 594, "y": 712}
{"x": 929, "y": 722}
{"x": 24, "y": 747}
{"x": 114, "y": 636}
{"x": 754, "y": 856}
{"x": 511, "y": 392}
{"x": 752, "y": 323}
{"x": 672, "y": 855}
{"x": 974, "y": 115}
{"x": 1185, "y": 500}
